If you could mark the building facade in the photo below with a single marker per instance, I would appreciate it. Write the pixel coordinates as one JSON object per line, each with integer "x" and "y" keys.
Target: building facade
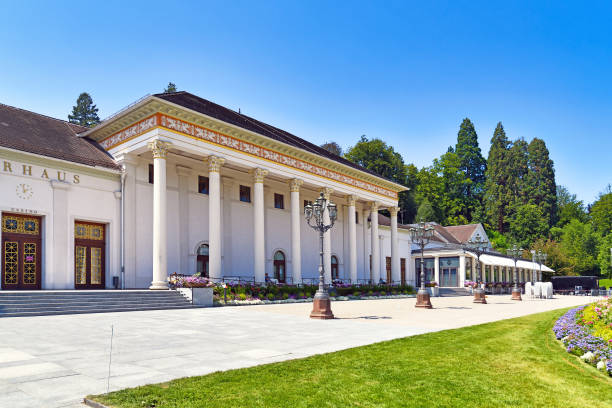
{"x": 177, "y": 184}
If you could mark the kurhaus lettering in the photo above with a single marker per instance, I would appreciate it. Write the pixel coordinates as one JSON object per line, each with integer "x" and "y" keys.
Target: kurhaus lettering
{"x": 47, "y": 174}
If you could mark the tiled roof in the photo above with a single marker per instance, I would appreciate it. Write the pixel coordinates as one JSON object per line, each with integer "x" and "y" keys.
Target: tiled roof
{"x": 462, "y": 232}
{"x": 206, "y": 107}
{"x": 38, "y": 134}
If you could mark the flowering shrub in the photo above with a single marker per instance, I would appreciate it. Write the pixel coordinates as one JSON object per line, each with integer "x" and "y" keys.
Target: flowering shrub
{"x": 470, "y": 284}
{"x": 431, "y": 284}
{"x": 576, "y": 335}
{"x": 189, "y": 282}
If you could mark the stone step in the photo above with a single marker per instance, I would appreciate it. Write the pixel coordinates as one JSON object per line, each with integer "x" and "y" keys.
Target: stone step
{"x": 81, "y": 298}
{"x": 454, "y": 292}
{"x": 84, "y": 311}
{"x": 5, "y": 306}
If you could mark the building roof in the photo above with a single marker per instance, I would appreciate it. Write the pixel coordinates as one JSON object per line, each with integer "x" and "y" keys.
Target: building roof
{"x": 206, "y": 107}
{"x": 38, "y": 134}
{"x": 462, "y": 233}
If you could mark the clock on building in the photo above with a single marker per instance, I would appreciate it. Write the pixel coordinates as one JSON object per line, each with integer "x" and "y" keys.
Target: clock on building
{"x": 24, "y": 191}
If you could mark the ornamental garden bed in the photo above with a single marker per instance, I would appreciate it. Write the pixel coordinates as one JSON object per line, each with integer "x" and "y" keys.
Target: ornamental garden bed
{"x": 586, "y": 332}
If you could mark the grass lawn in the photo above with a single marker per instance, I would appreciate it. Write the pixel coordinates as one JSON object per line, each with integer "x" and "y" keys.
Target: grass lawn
{"x": 509, "y": 363}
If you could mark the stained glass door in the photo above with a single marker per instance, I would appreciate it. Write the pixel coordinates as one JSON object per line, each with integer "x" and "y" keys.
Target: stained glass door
{"x": 89, "y": 244}
{"x": 21, "y": 246}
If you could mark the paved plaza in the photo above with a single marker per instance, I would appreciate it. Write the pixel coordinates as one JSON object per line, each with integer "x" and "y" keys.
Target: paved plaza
{"x": 53, "y": 361}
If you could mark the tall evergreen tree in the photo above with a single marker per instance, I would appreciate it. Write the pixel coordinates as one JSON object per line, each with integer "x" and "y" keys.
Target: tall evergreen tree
{"x": 84, "y": 113}
{"x": 473, "y": 165}
{"x": 332, "y": 147}
{"x": 540, "y": 182}
{"x": 517, "y": 170}
{"x": 170, "y": 88}
{"x": 496, "y": 197}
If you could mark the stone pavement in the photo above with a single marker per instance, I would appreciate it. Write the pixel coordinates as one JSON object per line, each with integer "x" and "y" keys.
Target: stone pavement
{"x": 54, "y": 361}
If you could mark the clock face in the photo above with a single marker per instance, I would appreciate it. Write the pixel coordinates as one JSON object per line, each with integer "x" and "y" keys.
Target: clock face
{"x": 24, "y": 191}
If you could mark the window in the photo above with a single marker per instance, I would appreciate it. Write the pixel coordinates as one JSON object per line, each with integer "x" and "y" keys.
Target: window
{"x": 245, "y": 194}
{"x": 202, "y": 185}
{"x": 334, "y": 267}
{"x": 279, "y": 201}
{"x": 151, "y": 174}
{"x": 356, "y": 217}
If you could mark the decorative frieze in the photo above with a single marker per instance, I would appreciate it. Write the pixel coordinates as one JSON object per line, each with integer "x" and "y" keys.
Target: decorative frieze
{"x": 160, "y": 120}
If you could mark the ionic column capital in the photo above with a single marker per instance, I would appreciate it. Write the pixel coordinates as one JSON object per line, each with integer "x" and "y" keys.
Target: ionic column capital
{"x": 326, "y": 192}
{"x": 394, "y": 211}
{"x": 214, "y": 163}
{"x": 159, "y": 148}
{"x": 351, "y": 200}
{"x": 295, "y": 184}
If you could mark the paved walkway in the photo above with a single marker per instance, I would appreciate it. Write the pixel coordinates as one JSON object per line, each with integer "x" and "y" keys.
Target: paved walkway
{"x": 53, "y": 361}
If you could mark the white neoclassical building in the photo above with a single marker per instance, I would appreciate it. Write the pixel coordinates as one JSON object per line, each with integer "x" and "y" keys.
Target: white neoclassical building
{"x": 176, "y": 183}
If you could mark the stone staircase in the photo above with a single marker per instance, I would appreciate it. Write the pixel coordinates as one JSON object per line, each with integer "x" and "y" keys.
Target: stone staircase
{"x": 454, "y": 292}
{"x": 40, "y": 303}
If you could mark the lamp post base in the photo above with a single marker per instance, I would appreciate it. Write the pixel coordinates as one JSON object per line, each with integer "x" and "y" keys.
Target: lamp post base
{"x": 321, "y": 307}
{"x": 423, "y": 299}
{"x": 516, "y": 294}
{"x": 480, "y": 296}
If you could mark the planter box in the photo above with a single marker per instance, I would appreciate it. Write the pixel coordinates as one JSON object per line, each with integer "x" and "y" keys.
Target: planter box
{"x": 433, "y": 291}
{"x": 198, "y": 296}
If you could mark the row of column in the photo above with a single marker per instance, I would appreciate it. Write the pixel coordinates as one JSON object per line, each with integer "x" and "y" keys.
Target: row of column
{"x": 160, "y": 261}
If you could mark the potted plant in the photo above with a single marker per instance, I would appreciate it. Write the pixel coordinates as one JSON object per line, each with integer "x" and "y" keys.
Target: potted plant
{"x": 195, "y": 288}
{"x": 432, "y": 288}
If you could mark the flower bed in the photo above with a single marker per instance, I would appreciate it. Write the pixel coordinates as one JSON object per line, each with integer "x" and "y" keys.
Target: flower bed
{"x": 255, "y": 294}
{"x": 189, "y": 282}
{"x": 575, "y": 330}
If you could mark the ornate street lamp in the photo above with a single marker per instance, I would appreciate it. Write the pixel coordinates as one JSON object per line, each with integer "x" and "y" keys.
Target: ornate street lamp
{"x": 540, "y": 258}
{"x": 478, "y": 246}
{"x": 421, "y": 235}
{"x": 315, "y": 217}
{"x": 515, "y": 252}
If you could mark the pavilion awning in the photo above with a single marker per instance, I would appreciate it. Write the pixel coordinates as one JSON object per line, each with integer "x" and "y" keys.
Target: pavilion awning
{"x": 489, "y": 259}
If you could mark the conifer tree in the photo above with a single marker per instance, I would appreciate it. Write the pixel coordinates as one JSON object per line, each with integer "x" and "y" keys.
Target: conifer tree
{"x": 473, "y": 165}
{"x": 170, "y": 88}
{"x": 496, "y": 195}
{"x": 540, "y": 182}
{"x": 84, "y": 113}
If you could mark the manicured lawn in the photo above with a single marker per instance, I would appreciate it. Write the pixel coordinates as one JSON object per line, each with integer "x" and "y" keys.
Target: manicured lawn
{"x": 512, "y": 363}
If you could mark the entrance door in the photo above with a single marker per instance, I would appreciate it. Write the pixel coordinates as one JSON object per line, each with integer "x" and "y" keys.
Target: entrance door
{"x": 202, "y": 261}
{"x": 89, "y": 255}
{"x": 388, "y": 268}
{"x": 279, "y": 267}
{"x": 449, "y": 277}
{"x": 403, "y": 269}
{"x": 21, "y": 250}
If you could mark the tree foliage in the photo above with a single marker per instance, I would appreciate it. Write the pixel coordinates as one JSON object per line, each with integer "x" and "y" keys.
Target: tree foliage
{"x": 496, "y": 197}
{"x": 473, "y": 166}
{"x": 527, "y": 224}
{"x": 171, "y": 87}
{"x": 333, "y": 148}
{"x": 84, "y": 113}
{"x": 541, "y": 188}
{"x": 569, "y": 207}
{"x": 601, "y": 213}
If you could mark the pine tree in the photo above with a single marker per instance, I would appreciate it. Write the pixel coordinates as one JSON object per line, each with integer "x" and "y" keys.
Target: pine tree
{"x": 332, "y": 147}
{"x": 517, "y": 169}
{"x": 84, "y": 113}
{"x": 496, "y": 194}
{"x": 170, "y": 88}
{"x": 473, "y": 166}
{"x": 540, "y": 182}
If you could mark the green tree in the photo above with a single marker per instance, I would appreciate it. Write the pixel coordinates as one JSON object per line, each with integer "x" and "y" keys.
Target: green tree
{"x": 170, "y": 88}
{"x": 579, "y": 243}
{"x": 517, "y": 170}
{"x": 604, "y": 257}
{"x": 473, "y": 166}
{"x": 601, "y": 213}
{"x": 527, "y": 224}
{"x": 426, "y": 212}
{"x": 496, "y": 197}
{"x": 84, "y": 113}
{"x": 333, "y": 148}
{"x": 541, "y": 188}
{"x": 569, "y": 207}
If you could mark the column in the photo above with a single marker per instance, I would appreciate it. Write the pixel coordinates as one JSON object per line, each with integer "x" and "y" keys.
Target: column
{"x": 259, "y": 234}
{"x": 327, "y": 239}
{"x": 352, "y": 232}
{"x": 461, "y": 278}
{"x": 227, "y": 227}
{"x": 60, "y": 240}
{"x": 437, "y": 270}
{"x": 367, "y": 273}
{"x": 382, "y": 257}
{"x": 214, "y": 216}
{"x": 395, "y": 255}
{"x": 129, "y": 197}
{"x": 375, "y": 247}
{"x": 296, "y": 249}
{"x": 160, "y": 246}
{"x": 183, "y": 174}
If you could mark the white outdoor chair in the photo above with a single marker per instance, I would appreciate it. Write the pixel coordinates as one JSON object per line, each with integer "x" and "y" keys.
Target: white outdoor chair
{"x": 537, "y": 290}
{"x": 528, "y": 289}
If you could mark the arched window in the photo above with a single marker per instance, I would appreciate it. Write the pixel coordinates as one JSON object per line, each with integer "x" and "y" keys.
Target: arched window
{"x": 334, "y": 267}
{"x": 202, "y": 261}
{"x": 279, "y": 267}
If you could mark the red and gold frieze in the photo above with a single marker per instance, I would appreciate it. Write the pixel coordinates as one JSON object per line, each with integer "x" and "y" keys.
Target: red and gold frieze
{"x": 198, "y": 132}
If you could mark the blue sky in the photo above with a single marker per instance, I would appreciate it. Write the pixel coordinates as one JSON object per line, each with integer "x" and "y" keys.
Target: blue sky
{"x": 405, "y": 72}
